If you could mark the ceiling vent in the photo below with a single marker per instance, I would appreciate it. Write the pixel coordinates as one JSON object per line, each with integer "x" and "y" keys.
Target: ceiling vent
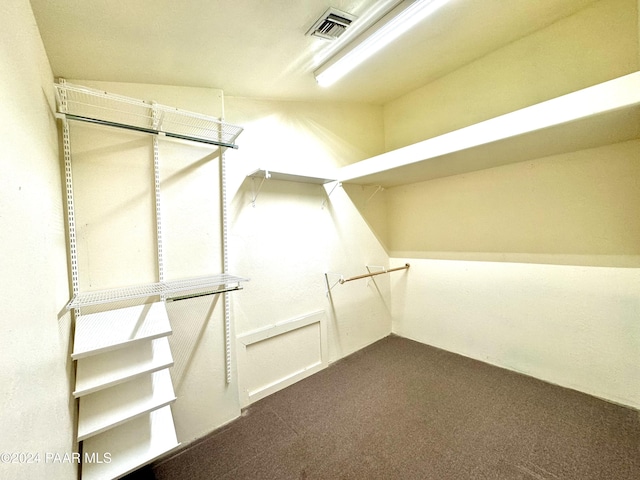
{"x": 331, "y": 24}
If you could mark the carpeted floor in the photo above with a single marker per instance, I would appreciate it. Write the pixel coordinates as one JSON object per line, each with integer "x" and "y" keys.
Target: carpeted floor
{"x": 402, "y": 410}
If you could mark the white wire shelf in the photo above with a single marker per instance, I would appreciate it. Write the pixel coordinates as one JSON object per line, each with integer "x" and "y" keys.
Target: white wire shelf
{"x": 76, "y": 102}
{"x": 197, "y": 286}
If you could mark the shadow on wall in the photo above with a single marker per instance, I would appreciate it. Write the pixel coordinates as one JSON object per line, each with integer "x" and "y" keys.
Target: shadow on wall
{"x": 189, "y": 321}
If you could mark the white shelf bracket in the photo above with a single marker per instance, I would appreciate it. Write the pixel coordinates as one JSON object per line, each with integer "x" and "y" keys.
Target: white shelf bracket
{"x": 379, "y": 188}
{"x": 267, "y": 175}
{"x": 336, "y": 185}
{"x": 331, "y": 285}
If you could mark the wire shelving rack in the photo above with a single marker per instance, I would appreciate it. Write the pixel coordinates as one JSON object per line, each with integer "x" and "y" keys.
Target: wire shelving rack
{"x": 86, "y": 104}
{"x": 196, "y": 286}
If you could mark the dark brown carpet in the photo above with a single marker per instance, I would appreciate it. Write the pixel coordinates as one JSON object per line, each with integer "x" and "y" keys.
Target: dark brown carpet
{"x": 403, "y": 410}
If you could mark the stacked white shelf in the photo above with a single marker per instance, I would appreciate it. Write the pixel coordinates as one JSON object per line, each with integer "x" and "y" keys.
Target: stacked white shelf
{"x": 104, "y": 331}
{"x": 122, "y": 376}
{"x": 98, "y": 372}
{"x": 145, "y": 437}
{"x": 100, "y": 412}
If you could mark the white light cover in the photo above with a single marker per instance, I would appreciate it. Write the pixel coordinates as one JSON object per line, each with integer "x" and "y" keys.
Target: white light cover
{"x": 399, "y": 24}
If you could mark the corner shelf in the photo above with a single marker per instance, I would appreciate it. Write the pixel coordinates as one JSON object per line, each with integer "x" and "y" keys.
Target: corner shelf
{"x": 600, "y": 115}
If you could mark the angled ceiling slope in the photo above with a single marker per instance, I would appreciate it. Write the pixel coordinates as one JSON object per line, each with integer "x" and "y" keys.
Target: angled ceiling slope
{"x": 260, "y": 49}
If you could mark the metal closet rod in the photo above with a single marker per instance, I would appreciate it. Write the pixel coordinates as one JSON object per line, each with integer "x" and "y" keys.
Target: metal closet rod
{"x": 203, "y": 294}
{"x": 358, "y": 277}
{"x": 147, "y": 130}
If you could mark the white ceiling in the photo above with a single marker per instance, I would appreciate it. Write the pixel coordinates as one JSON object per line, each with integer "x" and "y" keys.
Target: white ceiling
{"x": 259, "y": 48}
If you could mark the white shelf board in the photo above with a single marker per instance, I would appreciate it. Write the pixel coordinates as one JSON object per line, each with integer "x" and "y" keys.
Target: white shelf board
{"x": 130, "y": 445}
{"x": 603, "y": 114}
{"x": 290, "y": 177}
{"x": 108, "y": 408}
{"x": 97, "y": 372}
{"x": 104, "y": 331}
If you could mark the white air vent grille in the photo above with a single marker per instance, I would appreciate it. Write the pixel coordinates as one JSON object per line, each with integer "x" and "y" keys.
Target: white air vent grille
{"x": 331, "y": 24}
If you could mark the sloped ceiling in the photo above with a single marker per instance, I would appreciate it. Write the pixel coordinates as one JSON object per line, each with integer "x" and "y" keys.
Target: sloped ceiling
{"x": 259, "y": 48}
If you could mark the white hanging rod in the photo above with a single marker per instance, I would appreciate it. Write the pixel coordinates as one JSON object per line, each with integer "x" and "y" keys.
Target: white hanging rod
{"x": 358, "y": 277}
{"x": 108, "y": 123}
{"x": 203, "y": 294}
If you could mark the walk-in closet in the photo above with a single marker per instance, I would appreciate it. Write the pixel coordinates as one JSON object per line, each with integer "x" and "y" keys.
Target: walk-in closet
{"x": 320, "y": 239}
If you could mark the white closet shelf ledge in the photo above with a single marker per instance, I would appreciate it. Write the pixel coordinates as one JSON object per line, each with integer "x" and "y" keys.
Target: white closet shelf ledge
{"x": 130, "y": 445}
{"x": 603, "y": 114}
{"x": 98, "y": 372}
{"x": 101, "y": 332}
{"x": 290, "y": 176}
{"x": 113, "y": 406}
{"x": 221, "y": 282}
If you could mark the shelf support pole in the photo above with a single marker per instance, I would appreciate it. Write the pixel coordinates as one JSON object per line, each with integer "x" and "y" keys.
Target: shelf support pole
{"x": 71, "y": 216}
{"x": 156, "y": 173}
{"x": 225, "y": 268}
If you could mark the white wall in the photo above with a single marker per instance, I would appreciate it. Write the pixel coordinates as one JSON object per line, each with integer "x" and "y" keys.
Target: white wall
{"x": 37, "y": 413}
{"x": 531, "y": 266}
{"x": 575, "y": 326}
{"x": 575, "y": 208}
{"x": 596, "y": 44}
{"x": 288, "y": 241}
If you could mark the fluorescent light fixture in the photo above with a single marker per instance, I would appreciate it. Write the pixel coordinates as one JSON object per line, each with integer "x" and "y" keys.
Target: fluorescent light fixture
{"x": 345, "y": 61}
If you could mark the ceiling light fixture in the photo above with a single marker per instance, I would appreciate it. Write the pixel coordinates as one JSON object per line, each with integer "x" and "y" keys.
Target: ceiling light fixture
{"x": 374, "y": 40}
